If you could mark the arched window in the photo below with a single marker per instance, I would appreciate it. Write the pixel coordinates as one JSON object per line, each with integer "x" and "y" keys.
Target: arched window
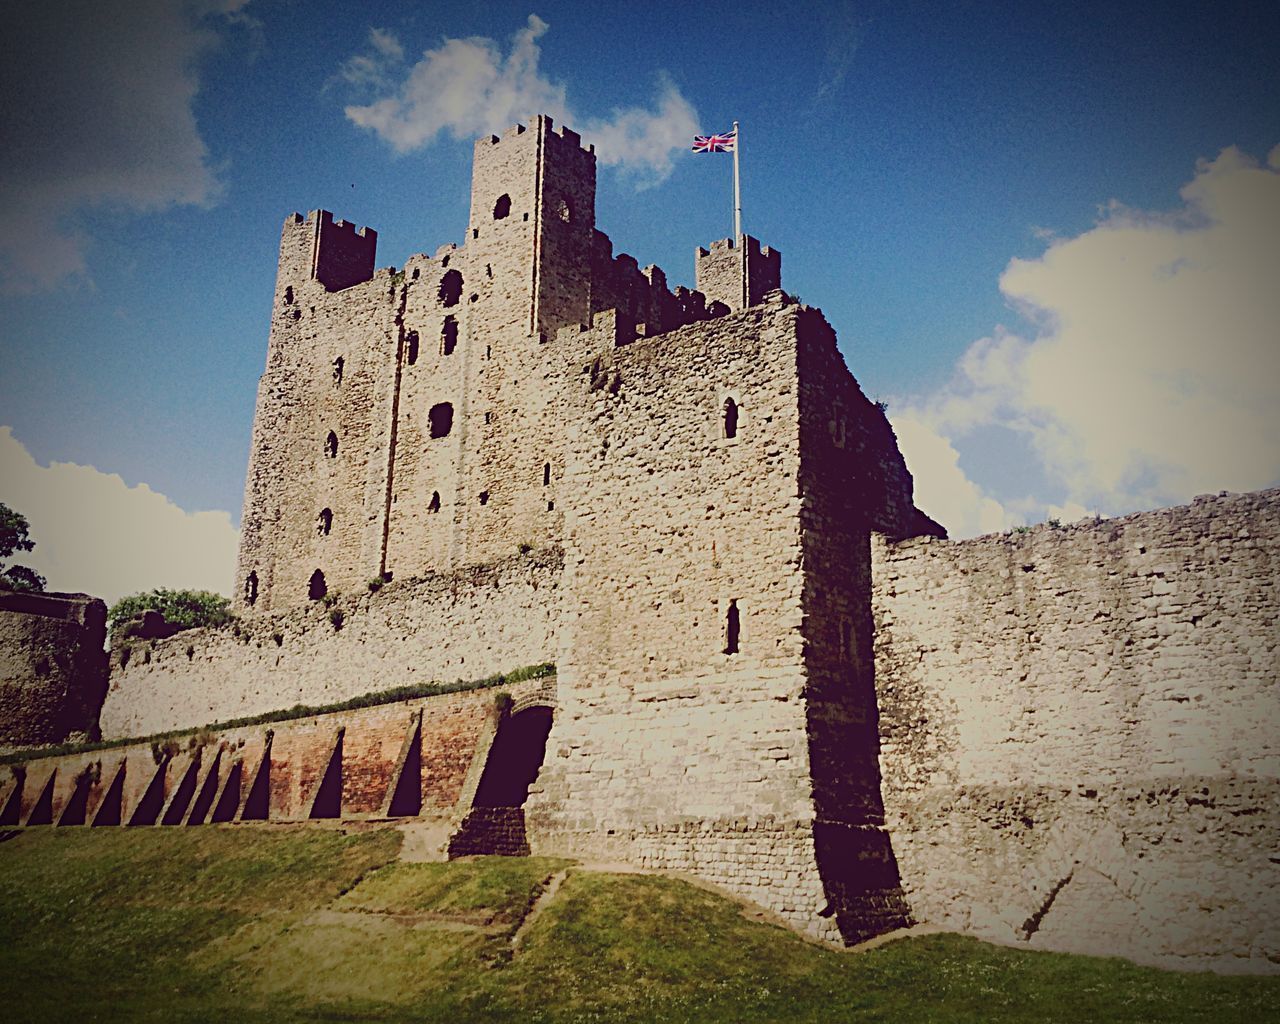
{"x": 730, "y": 418}
{"x": 251, "y": 588}
{"x": 331, "y": 445}
{"x": 434, "y": 506}
{"x": 502, "y": 208}
{"x": 546, "y": 474}
{"x": 338, "y": 364}
{"x": 411, "y": 354}
{"x": 449, "y": 335}
{"x": 450, "y": 289}
{"x": 324, "y": 522}
{"x": 441, "y": 419}
{"x": 732, "y": 628}
{"x": 317, "y": 589}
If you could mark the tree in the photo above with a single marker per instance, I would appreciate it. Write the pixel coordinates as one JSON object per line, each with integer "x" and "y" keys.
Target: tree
{"x": 14, "y": 537}
{"x": 183, "y": 608}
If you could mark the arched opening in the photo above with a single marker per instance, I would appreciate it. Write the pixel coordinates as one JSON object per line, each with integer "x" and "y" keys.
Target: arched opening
{"x": 450, "y": 289}
{"x": 324, "y": 522}
{"x": 441, "y": 419}
{"x": 730, "y": 418}
{"x": 411, "y": 347}
{"x": 449, "y": 335}
{"x": 331, "y": 445}
{"x": 434, "y": 506}
{"x": 495, "y": 823}
{"x": 732, "y": 628}
{"x": 502, "y": 208}
{"x": 251, "y": 588}
{"x": 317, "y": 589}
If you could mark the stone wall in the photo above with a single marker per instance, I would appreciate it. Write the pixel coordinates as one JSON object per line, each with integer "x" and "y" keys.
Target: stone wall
{"x": 1079, "y": 735}
{"x": 52, "y": 667}
{"x": 684, "y": 739}
{"x": 462, "y": 625}
{"x": 414, "y": 758}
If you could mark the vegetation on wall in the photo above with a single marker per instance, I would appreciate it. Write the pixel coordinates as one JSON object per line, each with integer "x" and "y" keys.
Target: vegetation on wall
{"x": 183, "y": 608}
{"x": 364, "y": 700}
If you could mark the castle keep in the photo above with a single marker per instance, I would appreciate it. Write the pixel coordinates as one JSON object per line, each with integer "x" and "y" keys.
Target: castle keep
{"x": 770, "y": 669}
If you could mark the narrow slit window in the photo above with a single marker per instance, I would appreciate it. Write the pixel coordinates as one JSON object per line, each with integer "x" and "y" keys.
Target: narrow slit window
{"x": 331, "y": 445}
{"x": 434, "y": 505}
{"x": 317, "y": 589}
{"x": 730, "y": 418}
{"x": 411, "y": 341}
{"x": 251, "y": 588}
{"x": 338, "y": 365}
{"x": 484, "y": 497}
{"x": 324, "y": 522}
{"x": 546, "y": 474}
{"x": 449, "y": 335}
{"x": 732, "y": 628}
{"x": 288, "y": 295}
{"x": 441, "y": 419}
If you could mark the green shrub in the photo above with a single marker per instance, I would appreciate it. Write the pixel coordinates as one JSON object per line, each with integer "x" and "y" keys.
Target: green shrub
{"x": 183, "y": 608}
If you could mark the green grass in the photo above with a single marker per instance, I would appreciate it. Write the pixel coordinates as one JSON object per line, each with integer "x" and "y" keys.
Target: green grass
{"x": 364, "y": 700}
{"x": 285, "y": 924}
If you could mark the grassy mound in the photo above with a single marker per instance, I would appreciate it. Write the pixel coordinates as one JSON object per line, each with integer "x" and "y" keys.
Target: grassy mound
{"x": 303, "y": 923}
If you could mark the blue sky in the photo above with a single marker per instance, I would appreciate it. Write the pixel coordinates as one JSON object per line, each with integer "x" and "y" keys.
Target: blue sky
{"x": 1046, "y": 234}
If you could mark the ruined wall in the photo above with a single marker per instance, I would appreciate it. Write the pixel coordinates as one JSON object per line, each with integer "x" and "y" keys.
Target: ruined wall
{"x": 1079, "y": 732}
{"x": 52, "y": 667}
{"x": 447, "y": 626}
{"x": 414, "y": 758}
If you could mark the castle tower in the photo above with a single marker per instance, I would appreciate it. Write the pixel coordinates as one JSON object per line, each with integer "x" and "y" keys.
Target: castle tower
{"x": 533, "y": 214}
{"x": 315, "y": 489}
{"x": 737, "y": 276}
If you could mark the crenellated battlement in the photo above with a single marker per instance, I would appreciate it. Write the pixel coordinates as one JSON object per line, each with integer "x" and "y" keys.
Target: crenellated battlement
{"x": 317, "y": 247}
{"x": 737, "y": 277}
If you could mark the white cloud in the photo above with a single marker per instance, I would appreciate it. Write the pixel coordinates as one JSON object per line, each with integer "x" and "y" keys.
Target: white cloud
{"x": 1152, "y": 373}
{"x": 93, "y": 533}
{"x": 942, "y": 489}
{"x": 468, "y": 87}
{"x": 97, "y": 111}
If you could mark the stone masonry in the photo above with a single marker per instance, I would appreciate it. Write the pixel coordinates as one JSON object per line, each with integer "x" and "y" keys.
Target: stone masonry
{"x": 773, "y": 671}
{"x": 53, "y": 672}
{"x": 1079, "y": 742}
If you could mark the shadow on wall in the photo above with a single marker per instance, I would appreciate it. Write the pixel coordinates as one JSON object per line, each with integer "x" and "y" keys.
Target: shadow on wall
{"x": 854, "y": 854}
{"x": 495, "y": 824}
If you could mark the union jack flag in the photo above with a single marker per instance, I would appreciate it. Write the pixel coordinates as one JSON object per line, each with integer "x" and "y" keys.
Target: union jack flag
{"x": 725, "y": 143}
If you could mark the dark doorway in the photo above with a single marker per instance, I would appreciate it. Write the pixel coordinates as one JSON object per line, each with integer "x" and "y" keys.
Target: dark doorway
{"x": 514, "y": 759}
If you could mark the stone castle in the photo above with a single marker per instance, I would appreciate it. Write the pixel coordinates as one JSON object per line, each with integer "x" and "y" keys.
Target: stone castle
{"x": 771, "y": 671}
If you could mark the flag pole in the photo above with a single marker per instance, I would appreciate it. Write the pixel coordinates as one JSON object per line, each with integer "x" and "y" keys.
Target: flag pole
{"x": 737, "y": 191}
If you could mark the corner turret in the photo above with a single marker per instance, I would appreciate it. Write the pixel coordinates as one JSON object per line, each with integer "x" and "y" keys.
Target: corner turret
{"x": 737, "y": 277}
{"x": 318, "y": 248}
